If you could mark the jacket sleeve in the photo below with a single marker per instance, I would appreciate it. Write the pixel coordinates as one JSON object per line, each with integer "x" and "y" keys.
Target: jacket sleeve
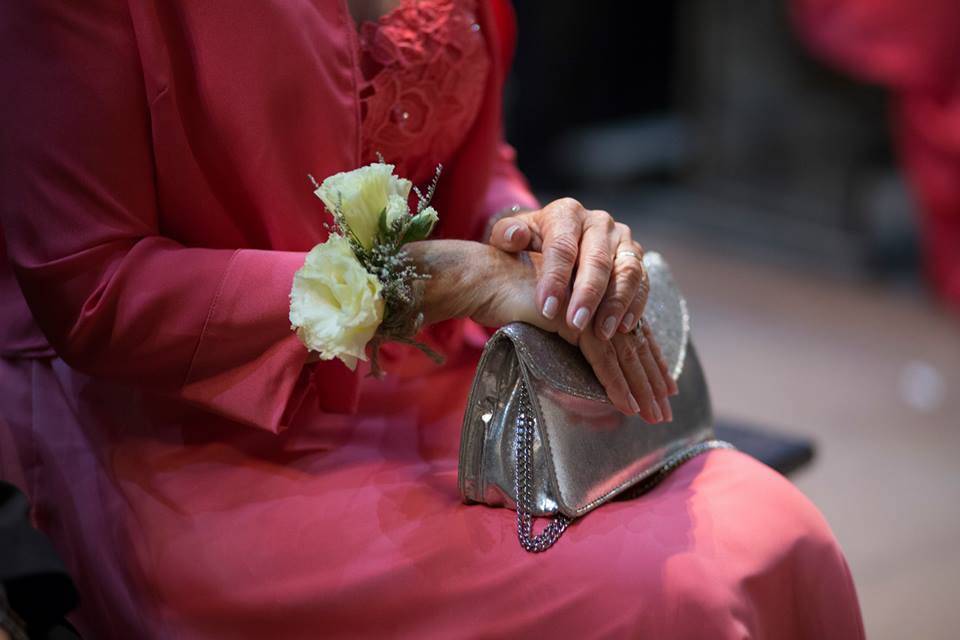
{"x": 508, "y": 186}
{"x": 79, "y": 210}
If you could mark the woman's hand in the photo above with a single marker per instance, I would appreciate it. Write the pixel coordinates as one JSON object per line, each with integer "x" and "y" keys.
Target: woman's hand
{"x": 610, "y": 288}
{"x": 474, "y": 280}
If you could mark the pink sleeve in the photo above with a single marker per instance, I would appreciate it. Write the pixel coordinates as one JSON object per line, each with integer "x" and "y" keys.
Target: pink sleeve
{"x": 507, "y": 185}
{"x": 78, "y": 206}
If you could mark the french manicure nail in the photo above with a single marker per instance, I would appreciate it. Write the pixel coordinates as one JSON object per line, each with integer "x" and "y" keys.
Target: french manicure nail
{"x": 550, "y": 307}
{"x": 580, "y": 318}
{"x": 665, "y": 409}
{"x": 510, "y": 232}
{"x": 657, "y": 414}
{"x": 628, "y": 322}
{"x": 609, "y": 325}
{"x": 633, "y": 404}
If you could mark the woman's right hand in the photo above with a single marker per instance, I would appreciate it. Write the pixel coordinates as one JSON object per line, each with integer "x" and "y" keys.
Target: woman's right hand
{"x": 492, "y": 287}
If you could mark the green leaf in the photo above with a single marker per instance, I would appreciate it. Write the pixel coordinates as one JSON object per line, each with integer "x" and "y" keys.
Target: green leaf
{"x": 383, "y": 224}
{"x": 419, "y": 227}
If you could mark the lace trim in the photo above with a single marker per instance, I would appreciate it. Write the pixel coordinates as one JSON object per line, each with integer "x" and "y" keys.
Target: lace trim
{"x": 424, "y": 65}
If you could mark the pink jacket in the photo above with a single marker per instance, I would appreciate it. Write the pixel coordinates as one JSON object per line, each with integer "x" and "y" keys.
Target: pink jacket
{"x": 153, "y": 189}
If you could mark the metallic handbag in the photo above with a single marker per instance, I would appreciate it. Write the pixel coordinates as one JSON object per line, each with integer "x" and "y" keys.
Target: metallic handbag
{"x": 540, "y": 436}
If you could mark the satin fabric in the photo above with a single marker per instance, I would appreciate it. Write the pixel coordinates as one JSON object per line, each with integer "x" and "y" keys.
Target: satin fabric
{"x": 201, "y": 480}
{"x": 912, "y": 49}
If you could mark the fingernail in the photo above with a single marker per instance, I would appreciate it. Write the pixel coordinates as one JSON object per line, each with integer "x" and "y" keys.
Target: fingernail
{"x": 580, "y": 318}
{"x": 608, "y": 326}
{"x": 512, "y": 230}
{"x": 672, "y": 384}
{"x": 665, "y": 409}
{"x": 634, "y": 406}
{"x": 550, "y": 307}
{"x": 657, "y": 414}
{"x": 628, "y": 322}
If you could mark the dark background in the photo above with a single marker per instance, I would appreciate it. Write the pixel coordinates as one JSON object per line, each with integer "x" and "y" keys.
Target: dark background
{"x": 770, "y": 184}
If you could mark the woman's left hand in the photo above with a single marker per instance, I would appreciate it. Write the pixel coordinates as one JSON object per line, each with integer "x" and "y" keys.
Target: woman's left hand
{"x": 611, "y": 286}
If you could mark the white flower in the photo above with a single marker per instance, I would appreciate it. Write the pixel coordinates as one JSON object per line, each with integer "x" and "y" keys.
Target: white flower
{"x": 397, "y": 208}
{"x": 335, "y": 304}
{"x": 431, "y": 216}
{"x": 362, "y": 194}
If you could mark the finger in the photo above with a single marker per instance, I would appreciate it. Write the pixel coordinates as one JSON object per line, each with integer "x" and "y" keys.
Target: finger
{"x": 631, "y": 364}
{"x": 606, "y": 365}
{"x": 621, "y": 295}
{"x": 514, "y": 233}
{"x": 593, "y": 269}
{"x": 672, "y": 387}
{"x": 654, "y": 376}
{"x": 639, "y": 302}
{"x": 561, "y": 227}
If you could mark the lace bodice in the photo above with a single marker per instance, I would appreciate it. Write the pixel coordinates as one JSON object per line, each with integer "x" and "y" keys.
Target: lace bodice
{"x": 424, "y": 67}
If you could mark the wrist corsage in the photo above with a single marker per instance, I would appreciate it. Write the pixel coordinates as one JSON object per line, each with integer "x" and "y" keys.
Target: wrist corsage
{"x": 360, "y": 286}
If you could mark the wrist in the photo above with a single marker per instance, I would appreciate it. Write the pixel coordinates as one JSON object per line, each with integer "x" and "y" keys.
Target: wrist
{"x": 455, "y": 288}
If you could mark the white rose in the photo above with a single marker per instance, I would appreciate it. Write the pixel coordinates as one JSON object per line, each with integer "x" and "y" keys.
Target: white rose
{"x": 335, "y": 304}
{"x": 362, "y": 194}
{"x": 397, "y": 207}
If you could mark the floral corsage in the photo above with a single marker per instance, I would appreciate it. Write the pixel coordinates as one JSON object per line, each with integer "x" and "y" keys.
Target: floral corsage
{"x": 360, "y": 286}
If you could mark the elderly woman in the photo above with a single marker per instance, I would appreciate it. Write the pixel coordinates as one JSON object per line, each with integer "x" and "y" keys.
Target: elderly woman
{"x": 203, "y": 475}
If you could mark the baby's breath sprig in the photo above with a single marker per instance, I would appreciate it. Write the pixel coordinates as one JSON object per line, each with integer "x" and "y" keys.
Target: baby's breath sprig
{"x": 387, "y": 260}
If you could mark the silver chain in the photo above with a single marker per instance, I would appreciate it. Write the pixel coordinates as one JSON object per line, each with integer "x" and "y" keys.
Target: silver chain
{"x": 523, "y": 476}
{"x": 526, "y": 423}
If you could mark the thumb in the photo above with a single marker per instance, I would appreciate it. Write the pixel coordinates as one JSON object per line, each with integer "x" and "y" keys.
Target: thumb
{"x": 512, "y": 233}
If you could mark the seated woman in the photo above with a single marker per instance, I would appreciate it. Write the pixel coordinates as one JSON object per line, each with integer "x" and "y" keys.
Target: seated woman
{"x": 203, "y": 476}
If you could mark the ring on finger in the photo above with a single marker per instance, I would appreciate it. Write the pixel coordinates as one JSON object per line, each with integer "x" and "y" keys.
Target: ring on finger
{"x": 638, "y": 331}
{"x": 632, "y": 254}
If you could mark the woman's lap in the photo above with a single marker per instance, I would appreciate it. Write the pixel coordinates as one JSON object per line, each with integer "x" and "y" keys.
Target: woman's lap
{"x": 360, "y": 530}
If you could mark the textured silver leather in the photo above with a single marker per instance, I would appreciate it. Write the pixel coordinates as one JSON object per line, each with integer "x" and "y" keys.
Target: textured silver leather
{"x": 585, "y": 451}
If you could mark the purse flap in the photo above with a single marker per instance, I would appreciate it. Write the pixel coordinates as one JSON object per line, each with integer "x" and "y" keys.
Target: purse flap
{"x": 560, "y": 364}
{"x": 585, "y": 450}
{"x": 592, "y": 450}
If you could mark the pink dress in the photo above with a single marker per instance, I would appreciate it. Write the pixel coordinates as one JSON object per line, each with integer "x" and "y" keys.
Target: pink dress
{"x": 202, "y": 480}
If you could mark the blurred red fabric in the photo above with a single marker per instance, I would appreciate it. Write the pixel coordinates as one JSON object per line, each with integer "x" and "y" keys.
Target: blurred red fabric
{"x": 913, "y": 48}
{"x": 200, "y": 480}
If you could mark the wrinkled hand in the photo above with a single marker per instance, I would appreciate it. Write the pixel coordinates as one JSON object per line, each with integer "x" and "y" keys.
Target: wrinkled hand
{"x": 499, "y": 288}
{"x": 611, "y": 286}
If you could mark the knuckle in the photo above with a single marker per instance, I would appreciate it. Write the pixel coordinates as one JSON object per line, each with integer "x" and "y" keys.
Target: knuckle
{"x": 602, "y": 219}
{"x": 565, "y": 248}
{"x": 592, "y": 289}
{"x": 623, "y": 230}
{"x": 599, "y": 260}
{"x": 629, "y": 355}
{"x": 568, "y": 204}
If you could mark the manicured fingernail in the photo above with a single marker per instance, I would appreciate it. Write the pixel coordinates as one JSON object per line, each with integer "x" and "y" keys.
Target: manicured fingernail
{"x": 657, "y": 414}
{"x": 580, "y": 318}
{"x": 609, "y": 325}
{"x": 634, "y": 405}
{"x": 665, "y": 409}
{"x": 550, "y": 307}
{"x": 628, "y": 322}
{"x": 512, "y": 230}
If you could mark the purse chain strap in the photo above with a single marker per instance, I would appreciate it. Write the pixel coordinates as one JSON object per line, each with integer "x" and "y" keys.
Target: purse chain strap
{"x": 526, "y": 423}
{"x": 523, "y": 476}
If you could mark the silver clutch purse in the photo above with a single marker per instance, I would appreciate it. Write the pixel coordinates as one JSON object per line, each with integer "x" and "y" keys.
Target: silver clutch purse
{"x": 540, "y": 436}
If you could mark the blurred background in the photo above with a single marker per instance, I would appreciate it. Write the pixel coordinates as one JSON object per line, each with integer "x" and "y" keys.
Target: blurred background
{"x": 799, "y": 166}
